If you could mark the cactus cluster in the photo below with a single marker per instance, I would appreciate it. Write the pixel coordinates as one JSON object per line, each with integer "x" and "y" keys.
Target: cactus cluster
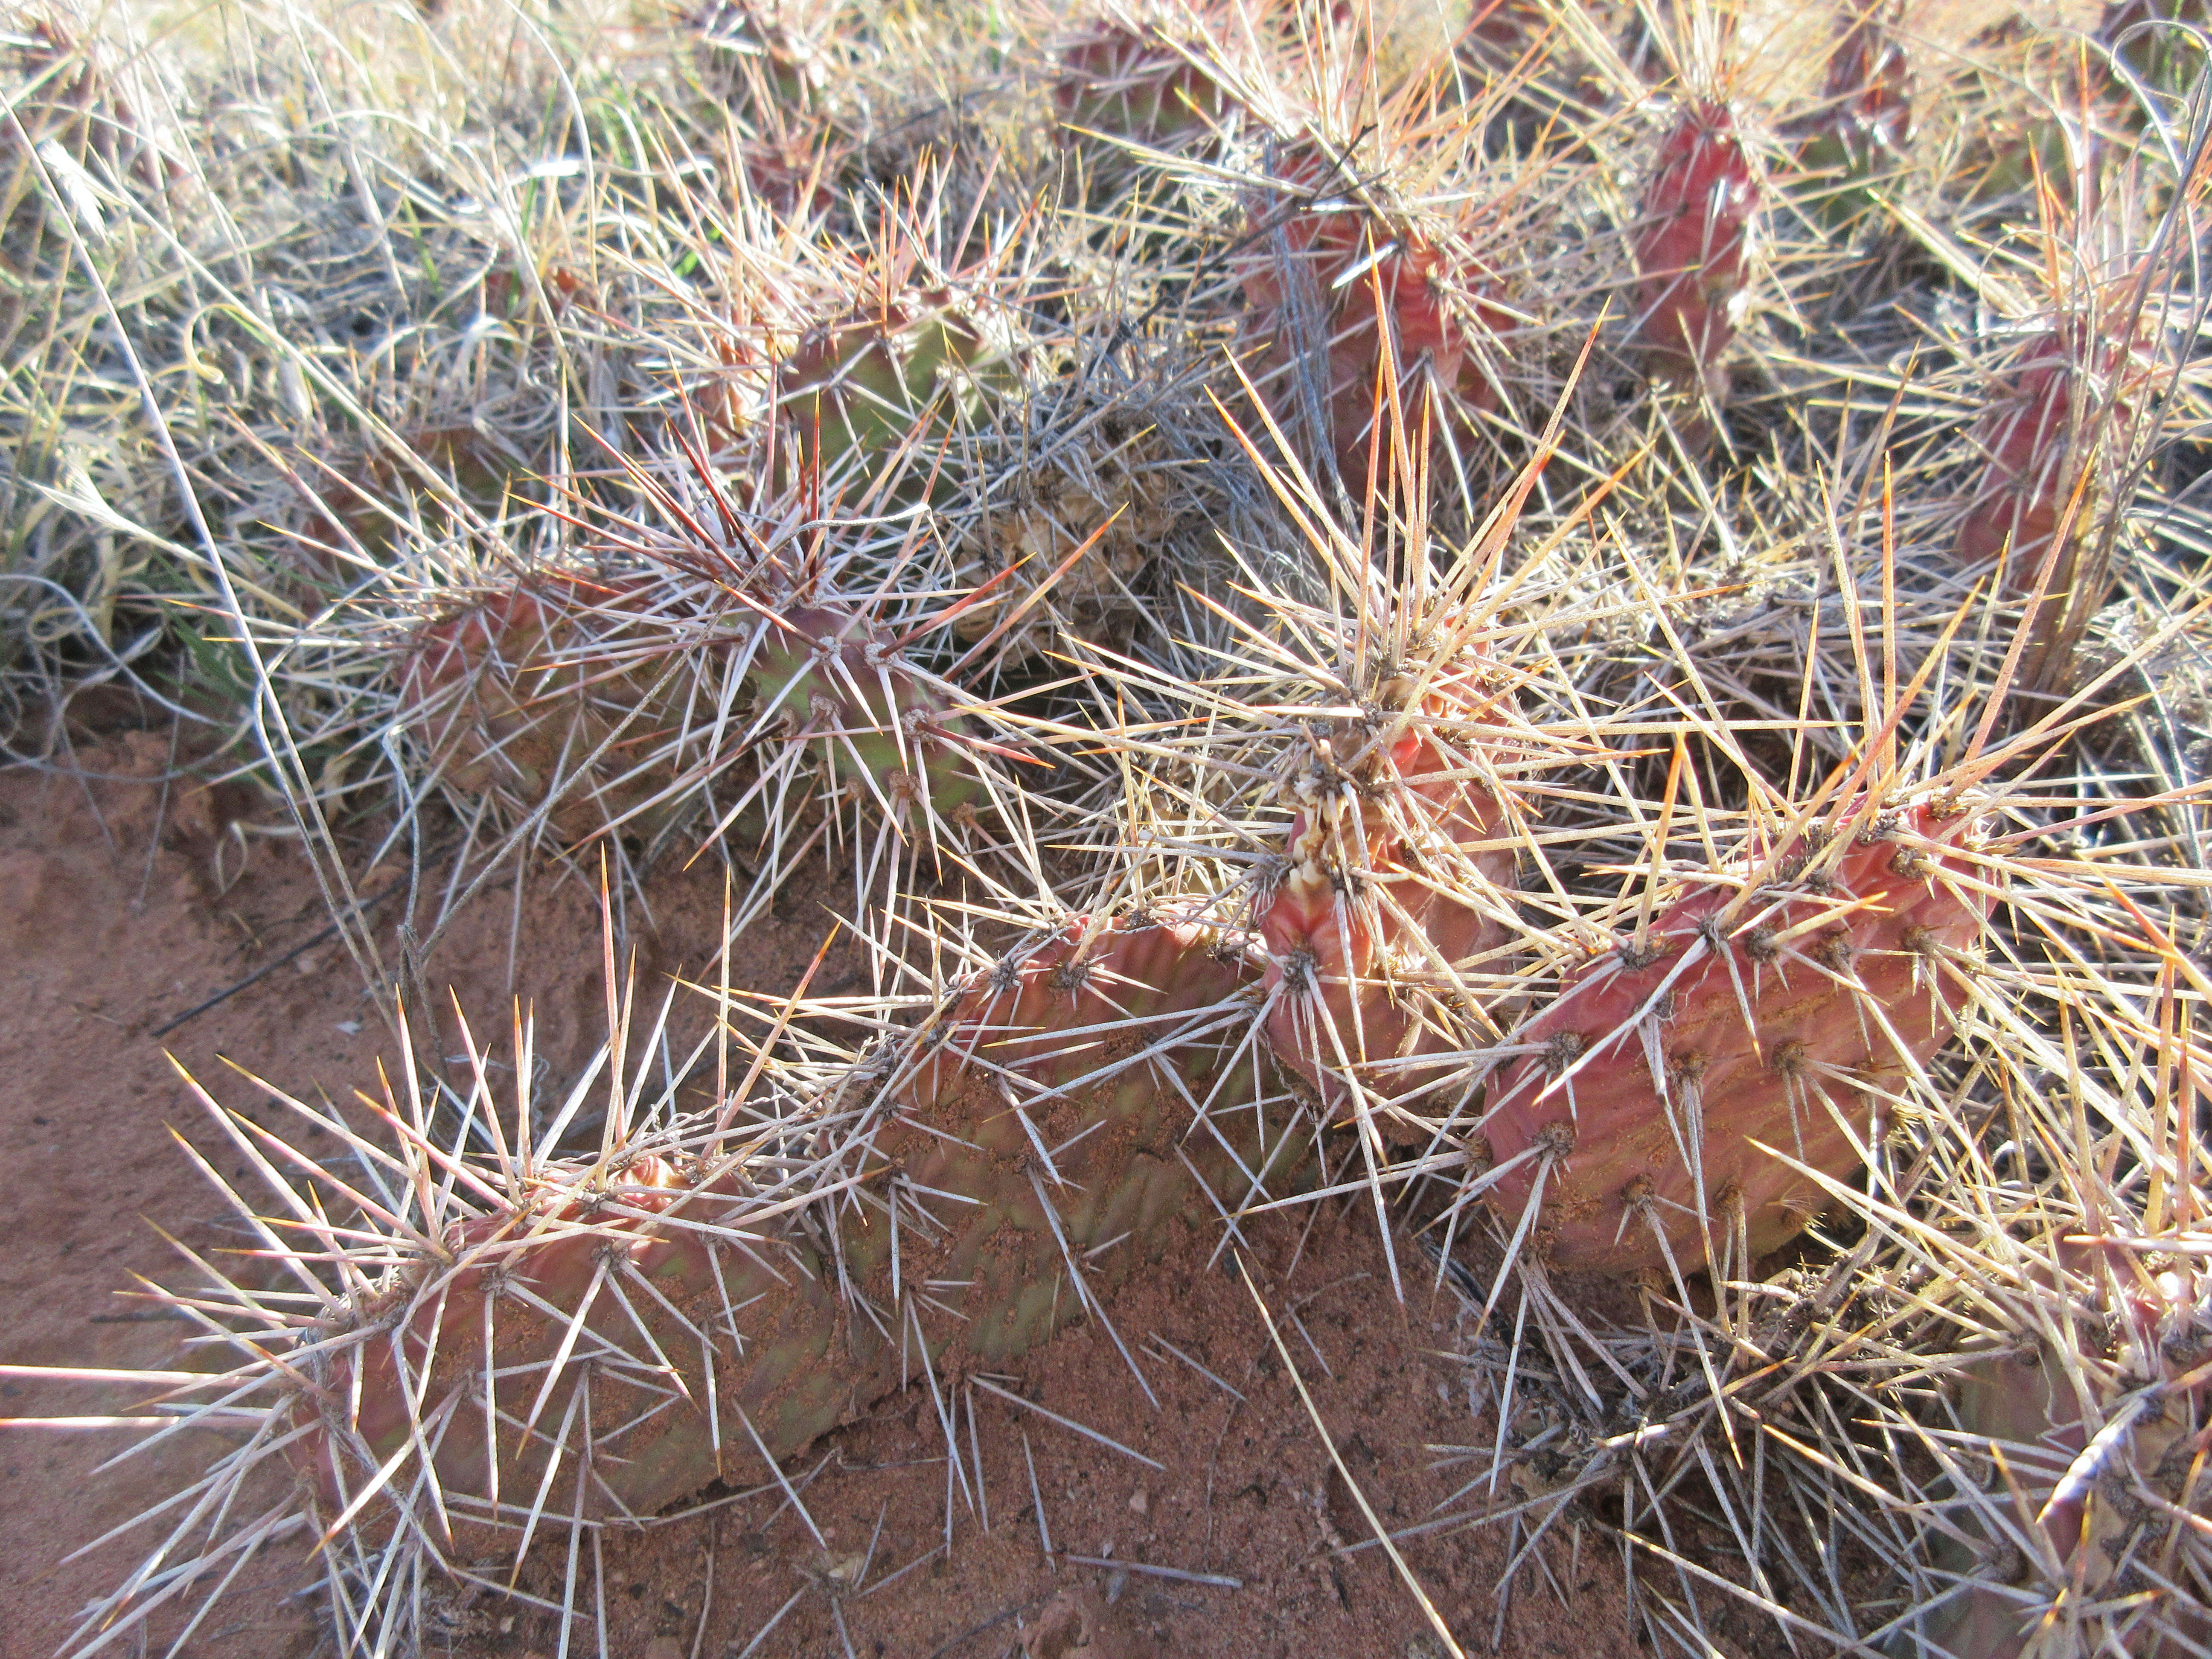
{"x": 579, "y": 1339}
{"x": 1728, "y": 889}
{"x": 602, "y": 1337}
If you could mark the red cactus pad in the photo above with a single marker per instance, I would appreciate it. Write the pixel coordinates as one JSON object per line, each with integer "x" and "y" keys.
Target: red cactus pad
{"x": 1432, "y": 330}
{"x": 1396, "y": 867}
{"x": 1364, "y": 281}
{"x": 1694, "y": 245}
{"x": 1134, "y": 81}
{"x": 523, "y": 697}
{"x": 2066, "y": 390}
{"x": 1776, "y": 1015}
{"x": 648, "y": 1317}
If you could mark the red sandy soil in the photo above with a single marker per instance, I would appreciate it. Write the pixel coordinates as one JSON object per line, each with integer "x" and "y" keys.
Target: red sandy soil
{"x": 122, "y": 905}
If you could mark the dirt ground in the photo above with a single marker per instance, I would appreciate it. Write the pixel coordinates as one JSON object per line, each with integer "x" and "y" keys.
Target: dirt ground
{"x": 1219, "y": 1528}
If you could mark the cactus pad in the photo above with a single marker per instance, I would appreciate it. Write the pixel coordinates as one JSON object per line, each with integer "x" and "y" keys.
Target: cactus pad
{"x": 1638, "y": 1112}
{"x": 1392, "y": 873}
{"x": 1693, "y": 246}
{"x": 604, "y": 1339}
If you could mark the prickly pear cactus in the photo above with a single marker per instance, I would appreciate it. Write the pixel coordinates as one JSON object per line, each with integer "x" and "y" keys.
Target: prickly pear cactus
{"x": 831, "y": 683}
{"x": 2070, "y": 393}
{"x": 2061, "y": 424}
{"x": 1693, "y": 246}
{"x": 603, "y": 1339}
{"x": 2083, "y": 1542}
{"x": 1648, "y": 1108}
{"x": 531, "y": 700}
{"x": 1859, "y": 133}
{"x": 1397, "y": 871}
{"x": 1126, "y": 79}
{"x": 884, "y": 385}
{"x": 617, "y": 702}
{"x": 1351, "y": 309}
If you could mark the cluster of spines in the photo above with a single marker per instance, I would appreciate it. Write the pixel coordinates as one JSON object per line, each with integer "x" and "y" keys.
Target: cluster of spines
{"x": 2066, "y": 417}
{"x": 1370, "y": 860}
{"x": 523, "y": 704}
{"x": 643, "y": 1315}
{"x": 1397, "y": 869}
{"x": 1131, "y": 79}
{"x": 2088, "y": 1431}
{"x": 1365, "y": 322}
{"x": 885, "y": 384}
